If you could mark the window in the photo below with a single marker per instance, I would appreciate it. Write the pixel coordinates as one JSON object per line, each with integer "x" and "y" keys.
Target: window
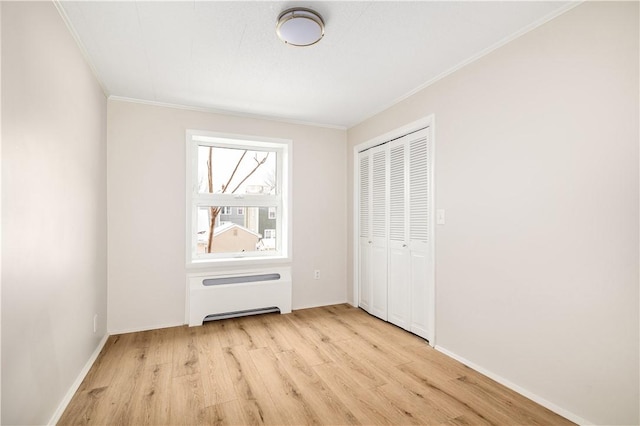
{"x": 232, "y": 180}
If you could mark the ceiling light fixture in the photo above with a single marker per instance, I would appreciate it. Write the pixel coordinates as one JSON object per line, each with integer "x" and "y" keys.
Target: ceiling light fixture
{"x": 300, "y": 27}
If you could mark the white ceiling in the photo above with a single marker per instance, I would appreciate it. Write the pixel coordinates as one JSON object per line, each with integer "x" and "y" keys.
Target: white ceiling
{"x": 226, "y": 56}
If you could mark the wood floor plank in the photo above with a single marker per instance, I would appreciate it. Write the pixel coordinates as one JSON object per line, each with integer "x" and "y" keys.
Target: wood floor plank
{"x": 388, "y": 331}
{"x": 226, "y": 333}
{"x": 292, "y": 404}
{"x": 306, "y": 329}
{"x": 83, "y": 411}
{"x": 131, "y": 363}
{"x": 256, "y": 335}
{"x": 161, "y": 346}
{"x": 319, "y": 339}
{"x": 437, "y": 389}
{"x": 217, "y": 383}
{"x": 253, "y": 395}
{"x": 308, "y": 348}
{"x": 187, "y": 402}
{"x": 115, "y": 402}
{"x": 320, "y": 322}
{"x": 233, "y": 333}
{"x": 365, "y": 404}
{"x": 416, "y": 408}
{"x": 106, "y": 365}
{"x": 362, "y": 373}
{"x": 328, "y": 365}
{"x": 274, "y": 325}
{"x": 228, "y": 413}
{"x": 105, "y": 409}
{"x": 313, "y": 389}
{"x": 427, "y": 371}
{"x": 213, "y": 331}
{"x": 486, "y": 393}
{"x": 437, "y": 363}
{"x": 141, "y": 339}
{"x": 398, "y": 383}
{"x": 151, "y": 401}
{"x": 465, "y": 420}
{"x": 379, "y": 350}
{"x": 419, "y": 391}
{"x": 185, "y": 352}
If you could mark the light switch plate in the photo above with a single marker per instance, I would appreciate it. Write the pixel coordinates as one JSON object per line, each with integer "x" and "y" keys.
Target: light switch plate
{"x": 440, "y": 216}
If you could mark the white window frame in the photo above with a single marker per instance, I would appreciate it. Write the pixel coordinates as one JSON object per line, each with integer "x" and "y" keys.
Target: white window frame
{"x": 281, "y": 200}
{"x": 240, "y": 211}
{"x": 271, "y": 231}
{"x": 271, "y": 213}
{"x": 225, "y": 211}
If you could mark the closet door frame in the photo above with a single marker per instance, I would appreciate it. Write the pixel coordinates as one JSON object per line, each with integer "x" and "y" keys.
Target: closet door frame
{"x": 429, "y": 123}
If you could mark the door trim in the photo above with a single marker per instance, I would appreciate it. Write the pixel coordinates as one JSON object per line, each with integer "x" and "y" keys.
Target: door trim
{"x": 429, "y": 122}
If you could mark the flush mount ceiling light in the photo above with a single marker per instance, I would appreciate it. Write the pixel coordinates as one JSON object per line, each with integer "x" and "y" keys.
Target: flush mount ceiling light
{"x": 300, "y": 27}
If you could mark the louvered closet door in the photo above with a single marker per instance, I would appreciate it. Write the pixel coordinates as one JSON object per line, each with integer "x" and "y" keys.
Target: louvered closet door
{"x": 365, "y": 230}
{"x": 420, "y": 232}
{"x": 379, "y": 226}
{"x": 399, "y": 290}
{"x": 395, "y": 215}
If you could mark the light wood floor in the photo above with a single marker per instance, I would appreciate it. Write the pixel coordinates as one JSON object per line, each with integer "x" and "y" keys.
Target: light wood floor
{"x": 330, "y": 365}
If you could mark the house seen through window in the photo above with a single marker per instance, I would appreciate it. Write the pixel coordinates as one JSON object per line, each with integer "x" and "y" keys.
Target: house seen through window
{"x": 238, "y": 198}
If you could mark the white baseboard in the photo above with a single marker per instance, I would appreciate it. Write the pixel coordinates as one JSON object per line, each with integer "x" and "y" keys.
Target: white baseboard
{"x": 535, "y": 398}
{"x": 74, "y": 387}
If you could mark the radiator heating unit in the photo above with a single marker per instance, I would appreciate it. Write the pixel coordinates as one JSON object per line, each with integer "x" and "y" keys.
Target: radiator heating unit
{"x": 218, "y": 296}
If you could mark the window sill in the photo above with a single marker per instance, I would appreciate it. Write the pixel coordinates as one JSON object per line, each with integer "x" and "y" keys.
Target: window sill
{"x": 201, "y": 264}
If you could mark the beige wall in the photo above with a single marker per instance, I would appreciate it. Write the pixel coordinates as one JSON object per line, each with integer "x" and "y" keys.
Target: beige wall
{"x": 53, "y": 212}
{"x": 537, "y": 168}
{"x": 146, "y": 211}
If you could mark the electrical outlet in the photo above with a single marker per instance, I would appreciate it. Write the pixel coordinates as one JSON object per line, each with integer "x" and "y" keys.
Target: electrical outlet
{"x": 316, "y": 274}
{"x": 95, "y": 323}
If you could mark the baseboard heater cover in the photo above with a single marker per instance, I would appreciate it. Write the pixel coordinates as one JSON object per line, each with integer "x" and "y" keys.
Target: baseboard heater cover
{"x": 228, "y": 295}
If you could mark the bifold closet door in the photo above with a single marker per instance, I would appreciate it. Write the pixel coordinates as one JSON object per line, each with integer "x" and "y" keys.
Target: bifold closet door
{"x": 419, "y": 231}
{"x": 395, "y": 255}
{"x": 364, "y": 233}
{"x": 379, "y": 225}
{"x": 399, "y": 290}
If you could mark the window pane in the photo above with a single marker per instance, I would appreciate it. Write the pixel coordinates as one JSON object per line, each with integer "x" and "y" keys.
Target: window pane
{"x": 251, "y": 231}
{"x": 236, "y": 171}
